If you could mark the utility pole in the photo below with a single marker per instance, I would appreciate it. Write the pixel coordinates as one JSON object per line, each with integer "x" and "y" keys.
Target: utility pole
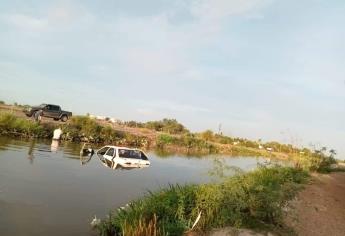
{"x": 220, "y": 129}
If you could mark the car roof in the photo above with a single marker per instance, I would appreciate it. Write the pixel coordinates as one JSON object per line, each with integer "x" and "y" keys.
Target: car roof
{"x": 118, "y": 147}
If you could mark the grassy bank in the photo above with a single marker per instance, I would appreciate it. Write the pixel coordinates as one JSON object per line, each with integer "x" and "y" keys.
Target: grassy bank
{"x": 78, "y": 129}
{"x": 173, "y": 138}
{"x": 253, "y": 200}
{"x": 84, "y": 129}
{"x": 14, "y": 126}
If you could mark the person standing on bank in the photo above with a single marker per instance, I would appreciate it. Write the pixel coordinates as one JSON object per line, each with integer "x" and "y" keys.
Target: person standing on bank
{"x": 57, "y": 134}
{"x": 38, "y": 116}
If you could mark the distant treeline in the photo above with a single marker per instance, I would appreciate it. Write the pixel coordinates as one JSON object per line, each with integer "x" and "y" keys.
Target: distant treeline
{"x": 170, "y": 126}
{"x": 173, "y": 127}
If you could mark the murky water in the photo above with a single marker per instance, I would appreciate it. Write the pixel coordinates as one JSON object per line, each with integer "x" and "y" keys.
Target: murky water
{"x": 45, "y": 189}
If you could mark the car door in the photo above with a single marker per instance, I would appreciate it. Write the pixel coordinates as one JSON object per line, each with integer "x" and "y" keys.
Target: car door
{"x": 125, "y": 157}
{"x": 50, "y": 111}
{"x": 109, "y": 155}
{"x": 135, "y": 157}
{"x": 55, "y": 111}
{"x": 46, "y": 111}
{"x": 102, "y": 151}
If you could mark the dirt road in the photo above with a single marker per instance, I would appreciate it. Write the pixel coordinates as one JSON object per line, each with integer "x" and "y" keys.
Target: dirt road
{"x": 320, "y": 208}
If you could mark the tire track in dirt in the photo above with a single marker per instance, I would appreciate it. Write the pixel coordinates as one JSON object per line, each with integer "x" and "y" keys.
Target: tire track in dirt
{"x": 319, "y": 209}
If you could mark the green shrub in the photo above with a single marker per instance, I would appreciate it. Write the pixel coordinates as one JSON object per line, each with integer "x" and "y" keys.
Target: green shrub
{"x": 244, "y": 151}
{"x": 223, "y": 139}
{"x": 164, "y": 139}
{"x": 83, "y": 125}
{"x": 250, "y": 200}
{"x": 10, "y": 124}
{"x": 187, "y": 142}
{"x": 315, "y": 162}
{"x": 170, "y": 126}
{"x": 134, "y": 124}
{"x": 82, "y": 128}
{"x": 207, "y": 135}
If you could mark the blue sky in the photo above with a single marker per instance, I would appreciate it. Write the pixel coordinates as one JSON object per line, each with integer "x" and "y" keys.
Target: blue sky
{"x": 262, "y": 68}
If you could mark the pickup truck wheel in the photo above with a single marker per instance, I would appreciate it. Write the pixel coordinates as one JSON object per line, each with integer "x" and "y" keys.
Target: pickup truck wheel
{"x": 64, "y": 118}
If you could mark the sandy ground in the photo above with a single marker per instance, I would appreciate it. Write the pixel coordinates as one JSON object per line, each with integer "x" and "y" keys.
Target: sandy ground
{"x": 320, "y": 208}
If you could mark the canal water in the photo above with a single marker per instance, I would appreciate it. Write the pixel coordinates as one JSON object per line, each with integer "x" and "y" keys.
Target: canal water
{"x": 46, "y": 189}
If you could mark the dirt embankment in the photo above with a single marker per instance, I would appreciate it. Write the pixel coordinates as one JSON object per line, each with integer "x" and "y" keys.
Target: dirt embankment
{"x": 319, "y": 209}
{"x": 18, "y": 111}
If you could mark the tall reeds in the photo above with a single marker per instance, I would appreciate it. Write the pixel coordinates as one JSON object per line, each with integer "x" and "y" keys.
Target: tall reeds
{"x": 251, "y": 200}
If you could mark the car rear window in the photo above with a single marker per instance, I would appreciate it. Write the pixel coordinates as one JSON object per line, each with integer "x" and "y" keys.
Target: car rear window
{"x": 125, "y": 153}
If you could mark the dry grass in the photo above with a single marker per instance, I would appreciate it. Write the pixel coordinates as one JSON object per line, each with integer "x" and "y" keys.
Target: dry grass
{"x": 143, "y": 228}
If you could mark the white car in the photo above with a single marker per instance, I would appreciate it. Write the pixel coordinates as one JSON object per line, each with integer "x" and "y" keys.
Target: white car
{"x": 122, "y": 157}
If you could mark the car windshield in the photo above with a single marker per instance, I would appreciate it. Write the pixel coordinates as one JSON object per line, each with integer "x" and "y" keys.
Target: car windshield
{"x": 42, "y": 105}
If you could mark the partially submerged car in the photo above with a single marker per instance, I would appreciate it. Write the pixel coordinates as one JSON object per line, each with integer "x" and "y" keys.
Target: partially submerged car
{"x": 116, "y": 166}
{"x": 122, "y": 157}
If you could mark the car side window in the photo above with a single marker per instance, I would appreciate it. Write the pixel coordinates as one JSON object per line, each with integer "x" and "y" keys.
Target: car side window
{"x": 124, "y": 153}
{"x": 54, "y": 108}
{"x": 135, "y": 154}
{"x": 110, "y": 152}
{"x": 143, "y": 156}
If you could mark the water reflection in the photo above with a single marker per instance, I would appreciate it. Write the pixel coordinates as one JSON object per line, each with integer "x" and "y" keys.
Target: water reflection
{"x": 41, "y": 149}
{"x": 31, "y": 151}
{"x": 54, "y": 146}
{"x": 220, "y": 169}
{"x": 84, "y": 159}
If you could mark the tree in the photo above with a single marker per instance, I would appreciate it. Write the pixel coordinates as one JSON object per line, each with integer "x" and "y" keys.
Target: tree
{"x": 332, "y": 152}
{"x": 170, "y": 126}
{"x": 207, "y": 135}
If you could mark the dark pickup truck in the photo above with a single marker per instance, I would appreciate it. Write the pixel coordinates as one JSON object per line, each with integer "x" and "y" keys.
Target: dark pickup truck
{"x": 49, "y": 110}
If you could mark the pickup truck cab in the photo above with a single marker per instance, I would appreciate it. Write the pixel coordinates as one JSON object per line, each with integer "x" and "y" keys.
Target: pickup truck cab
{"x": 49, "y": 110}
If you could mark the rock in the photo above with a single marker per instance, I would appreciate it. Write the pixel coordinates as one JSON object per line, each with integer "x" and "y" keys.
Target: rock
{"x": 95, "y": 222}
